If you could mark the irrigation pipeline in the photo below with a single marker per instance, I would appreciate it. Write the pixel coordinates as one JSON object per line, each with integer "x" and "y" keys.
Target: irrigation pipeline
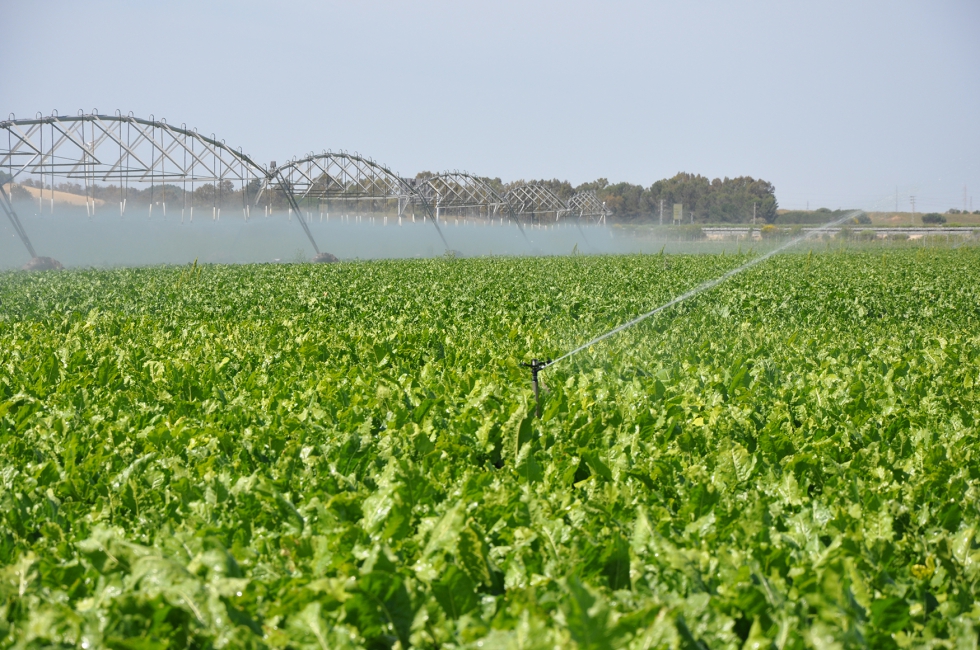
{"x": 521, "y": 228}
{"x": 8, "y": 208}
{"x": 295, "y": 206}
{"x": 584, "y": 238}
{"x": 710, "y": 284}
{"x": 512, "y": 217}
{"x": 439, "y": 230}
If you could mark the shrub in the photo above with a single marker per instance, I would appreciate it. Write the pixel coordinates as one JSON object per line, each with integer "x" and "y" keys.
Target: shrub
{"x": 691, "y": 232}
{"x": 769, "y": 230}
{"x": 18, "y": 193}
{"x": 933, "y": 218}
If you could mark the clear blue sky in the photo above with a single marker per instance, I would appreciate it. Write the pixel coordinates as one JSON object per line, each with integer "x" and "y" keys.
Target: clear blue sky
{"x": 836, "y": 103}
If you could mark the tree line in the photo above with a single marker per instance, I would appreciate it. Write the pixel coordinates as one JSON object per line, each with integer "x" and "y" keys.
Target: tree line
{"x": 727, "y": 200}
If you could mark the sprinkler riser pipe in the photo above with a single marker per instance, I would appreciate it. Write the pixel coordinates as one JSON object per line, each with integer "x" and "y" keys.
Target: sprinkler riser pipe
{"x": 536, "y": 366}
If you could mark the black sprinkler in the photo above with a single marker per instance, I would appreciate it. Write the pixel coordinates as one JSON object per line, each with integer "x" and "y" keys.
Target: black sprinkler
{"x": 536, "y": 366}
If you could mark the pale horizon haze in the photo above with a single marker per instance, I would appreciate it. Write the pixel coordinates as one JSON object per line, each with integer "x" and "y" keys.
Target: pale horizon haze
{"x": 838, "y": 104}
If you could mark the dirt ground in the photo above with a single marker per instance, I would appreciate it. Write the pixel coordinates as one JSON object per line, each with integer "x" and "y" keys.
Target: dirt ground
{"x": 59, "y": 196}
{"x": 899, "y": 219}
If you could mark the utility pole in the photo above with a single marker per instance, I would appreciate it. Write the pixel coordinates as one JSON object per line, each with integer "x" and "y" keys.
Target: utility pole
{"x": 912, "y": 198}
{"x": 753, "y": 212}
{"x": 964, "y": 198}
{"x": 661, "y": 212}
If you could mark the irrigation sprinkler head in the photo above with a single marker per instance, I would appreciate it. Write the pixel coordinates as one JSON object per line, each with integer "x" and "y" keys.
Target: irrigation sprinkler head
{"x": 536, "y": 366}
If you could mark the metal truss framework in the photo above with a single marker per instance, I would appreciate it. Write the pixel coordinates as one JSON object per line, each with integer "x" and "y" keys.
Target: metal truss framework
{"x": 139, "y": 153}
{"x": 145, "y": 153}
{"x": 344, "y": 176}
{"x": 131, "y": 151}
{"x": 120, "y": 148}
{"x": 587, "y": 206}
{"x": 341, "y": 175}
{"x": 536, "y": 201}
{"x": 463, "y": 191}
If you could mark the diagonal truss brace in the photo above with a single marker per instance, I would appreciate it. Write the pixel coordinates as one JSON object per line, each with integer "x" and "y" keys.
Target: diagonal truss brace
{"x": 536, "y": 199}
{"x": 341, "y": 175}
{"x": 8, "y": 208}
{"x": 586, "y": 205}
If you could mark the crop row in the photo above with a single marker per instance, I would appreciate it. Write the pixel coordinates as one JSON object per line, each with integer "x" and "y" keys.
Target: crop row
{"x": 346, "y": 456}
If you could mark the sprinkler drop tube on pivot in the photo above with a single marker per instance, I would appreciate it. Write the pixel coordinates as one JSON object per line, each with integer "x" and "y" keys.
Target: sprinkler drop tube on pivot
{"x": 535, "y": 367}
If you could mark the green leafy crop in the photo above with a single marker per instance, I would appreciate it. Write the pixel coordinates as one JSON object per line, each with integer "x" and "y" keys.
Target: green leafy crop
{"x": 345, "y": 456}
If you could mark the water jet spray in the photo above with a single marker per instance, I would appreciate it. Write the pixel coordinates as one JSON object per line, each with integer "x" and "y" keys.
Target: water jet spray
{"x": 537, "y": 366}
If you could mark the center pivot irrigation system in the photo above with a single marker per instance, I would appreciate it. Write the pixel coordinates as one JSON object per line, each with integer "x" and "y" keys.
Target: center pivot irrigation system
{"x": 159, "y": 166}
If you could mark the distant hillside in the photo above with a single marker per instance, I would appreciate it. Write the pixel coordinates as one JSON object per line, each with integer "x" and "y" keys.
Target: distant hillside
{"x": 68, "y": 198}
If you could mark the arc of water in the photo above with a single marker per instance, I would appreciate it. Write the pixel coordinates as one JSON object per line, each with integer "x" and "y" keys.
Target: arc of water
{"x": 710, "y": 284}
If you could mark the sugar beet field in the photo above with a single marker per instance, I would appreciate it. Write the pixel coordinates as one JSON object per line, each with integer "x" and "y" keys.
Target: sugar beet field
{"x": 347, "y": 456}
